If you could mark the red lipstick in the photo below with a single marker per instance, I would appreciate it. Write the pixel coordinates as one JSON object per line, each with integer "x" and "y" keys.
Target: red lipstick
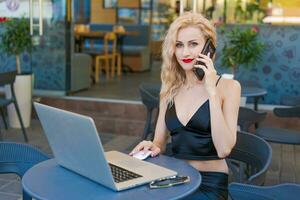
{"x": 187, "y": 60}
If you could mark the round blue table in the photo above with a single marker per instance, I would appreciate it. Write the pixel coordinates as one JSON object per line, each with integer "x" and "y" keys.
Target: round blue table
{"x": 48, "y": 180}
{"x": 251, "y": 91}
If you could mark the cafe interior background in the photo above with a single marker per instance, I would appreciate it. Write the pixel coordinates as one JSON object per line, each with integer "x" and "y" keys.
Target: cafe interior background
{"x": 59, "y": 70}
{"x": 67, "y": 36}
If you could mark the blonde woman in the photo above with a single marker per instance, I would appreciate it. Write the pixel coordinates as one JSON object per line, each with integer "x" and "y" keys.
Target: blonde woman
{"x": 200, "y": 115}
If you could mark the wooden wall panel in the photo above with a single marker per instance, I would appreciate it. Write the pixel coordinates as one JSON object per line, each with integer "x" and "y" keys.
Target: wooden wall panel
{"x": 107, "y": 15}
{"x": 129, "y": 4}
{"x": 102, "y": 15}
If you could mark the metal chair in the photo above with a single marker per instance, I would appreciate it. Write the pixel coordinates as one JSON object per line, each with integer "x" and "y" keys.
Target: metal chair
{"x": 248, "y": 117}
{"x": 284, "y": 191}
{"x": 18, "y": 158}
{"x": 280, "y": 135}
{"x": 249, "y": 159}
{"x": 8, "y": 78}
{"x": 287, "y": 112}
{"x": 150, "y": 98}
{"x": 3, "y": 118}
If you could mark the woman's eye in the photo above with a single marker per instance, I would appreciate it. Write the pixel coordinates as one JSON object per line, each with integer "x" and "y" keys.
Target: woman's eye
{"x": 193, "y": 44}
{"x": 178, "y": 45}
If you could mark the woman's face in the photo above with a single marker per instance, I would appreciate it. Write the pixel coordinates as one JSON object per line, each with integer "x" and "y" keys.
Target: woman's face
{"x": 189, "y": 44}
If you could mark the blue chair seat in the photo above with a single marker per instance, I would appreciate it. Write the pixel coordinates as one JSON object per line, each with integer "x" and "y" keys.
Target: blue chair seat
{"x": 93, "y": 52}
{"x": 5, "y": 102}
{"x": 18, "y": 158}
{"x": 133, "y": 49}
{"x": 287, "y": 112}
{"x": 126, "y": 49}
{"x": 279, "y": 135}
{"x": 288, "y": 191}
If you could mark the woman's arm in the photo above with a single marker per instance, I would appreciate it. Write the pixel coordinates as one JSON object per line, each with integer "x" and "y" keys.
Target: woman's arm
{"x": 224, "y": 116}
{"x": 160, "y": 137}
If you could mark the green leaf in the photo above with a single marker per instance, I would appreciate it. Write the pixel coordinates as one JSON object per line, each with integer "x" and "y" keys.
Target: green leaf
{"x": 242, "y": 47}
{"x": 16, "y": 37}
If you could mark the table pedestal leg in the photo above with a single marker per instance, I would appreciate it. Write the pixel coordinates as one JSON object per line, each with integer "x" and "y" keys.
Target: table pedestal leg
{"x": 26, "y": 196}
{"x": 256, "y": 108}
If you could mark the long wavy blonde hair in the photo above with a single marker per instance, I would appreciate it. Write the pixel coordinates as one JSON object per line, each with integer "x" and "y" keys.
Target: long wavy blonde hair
{"x": 172, "y": 74}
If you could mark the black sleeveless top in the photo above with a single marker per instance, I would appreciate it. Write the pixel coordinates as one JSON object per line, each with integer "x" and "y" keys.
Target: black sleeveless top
{"x": 192, "y": 141}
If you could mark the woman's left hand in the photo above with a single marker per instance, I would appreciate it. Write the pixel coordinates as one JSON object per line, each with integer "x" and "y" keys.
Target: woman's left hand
{"x": 210, "y": 76}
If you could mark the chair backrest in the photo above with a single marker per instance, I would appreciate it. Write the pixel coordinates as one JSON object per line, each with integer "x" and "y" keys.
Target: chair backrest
{"x": 250, "y": 158}
{"x": 287, "y": 112}
{"x": 18, "y": 158}
{"x": 7, "y": 78}
{"x": 239, "y": 191}
{"x": 110, "y": 43}
{"x": 78, "y": 28}
{"x": 150, "y": 98}
{"x": 150, "y": 94}
{"x": 248, "y": 117}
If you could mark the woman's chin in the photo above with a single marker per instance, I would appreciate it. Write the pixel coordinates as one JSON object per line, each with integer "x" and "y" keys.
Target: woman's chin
{"x": 187, "y": 67}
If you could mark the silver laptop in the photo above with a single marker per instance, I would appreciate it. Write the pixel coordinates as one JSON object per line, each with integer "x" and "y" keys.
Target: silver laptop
{"x": 76, "y": 145}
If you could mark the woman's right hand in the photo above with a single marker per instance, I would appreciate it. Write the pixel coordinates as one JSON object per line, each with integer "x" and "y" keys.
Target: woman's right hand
{"x": 145, "y": 146}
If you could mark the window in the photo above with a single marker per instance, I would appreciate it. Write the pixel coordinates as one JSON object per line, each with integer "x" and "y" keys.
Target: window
{"x": 109, "y": 3}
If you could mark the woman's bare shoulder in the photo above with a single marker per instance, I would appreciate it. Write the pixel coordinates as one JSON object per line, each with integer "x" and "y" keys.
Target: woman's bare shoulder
{"x": 229, "y": 86}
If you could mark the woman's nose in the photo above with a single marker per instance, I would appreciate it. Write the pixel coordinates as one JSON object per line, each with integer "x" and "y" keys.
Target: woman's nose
{"x": 186, "y": 51}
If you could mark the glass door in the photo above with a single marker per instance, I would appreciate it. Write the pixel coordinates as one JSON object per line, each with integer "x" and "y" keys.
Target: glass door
{"x": 48, "y": 58}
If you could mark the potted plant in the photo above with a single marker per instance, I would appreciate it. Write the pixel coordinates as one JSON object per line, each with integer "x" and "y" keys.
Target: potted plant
{"x": 242, "y": 48}
{"x": 15, "y": 40}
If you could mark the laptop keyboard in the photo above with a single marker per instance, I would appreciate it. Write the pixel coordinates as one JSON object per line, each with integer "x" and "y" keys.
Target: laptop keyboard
{"x": 120, "y": 174}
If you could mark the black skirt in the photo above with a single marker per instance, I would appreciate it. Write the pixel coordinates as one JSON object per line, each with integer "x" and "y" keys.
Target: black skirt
{"x": 214, "y": 186}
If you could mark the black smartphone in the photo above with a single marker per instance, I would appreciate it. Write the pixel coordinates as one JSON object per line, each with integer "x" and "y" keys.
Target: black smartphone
{"x": 208, "y": 48}
{"x": 170, "y": 181}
